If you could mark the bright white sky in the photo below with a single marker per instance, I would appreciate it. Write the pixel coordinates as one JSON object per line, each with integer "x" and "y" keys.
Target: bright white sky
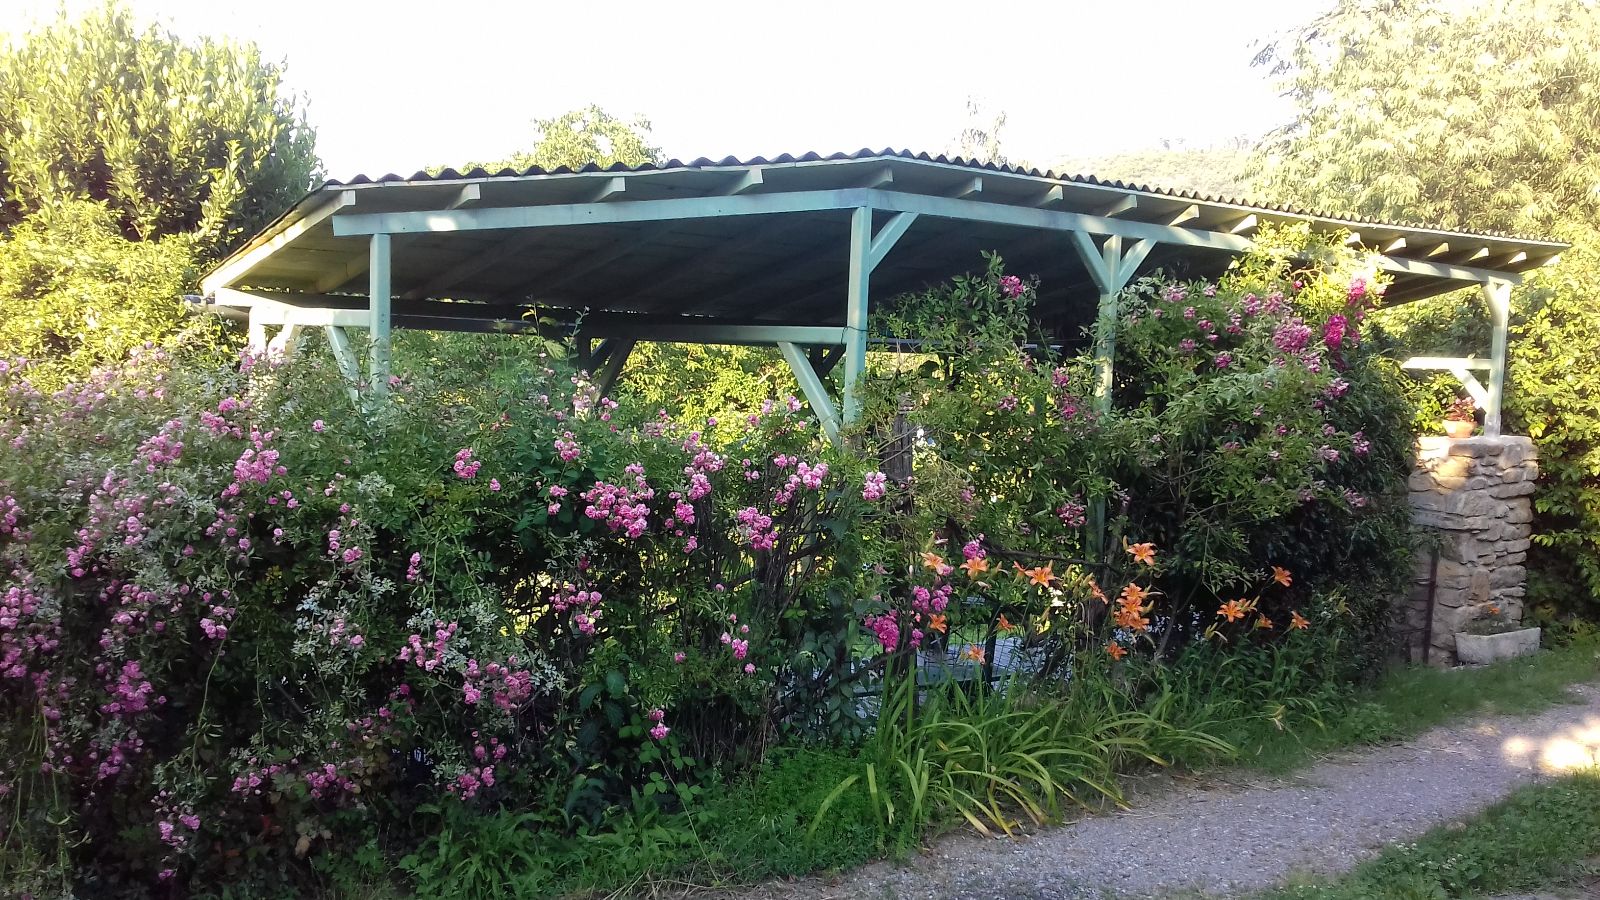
{"x": 396, "y": 86}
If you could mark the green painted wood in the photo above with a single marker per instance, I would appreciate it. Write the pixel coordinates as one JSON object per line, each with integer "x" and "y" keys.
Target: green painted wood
{"x": 855, "y": 336}
{"x": 887, "y": 237}
{"x": 1497, "y": 293}
{"x": 713, "y": 332}
{"x": 242, "y": 261}
{"x": 1446, "y": 363}
{"x": 611, "y": 368}
{"x": 1445, "y": 270}
{"x": 812, "y": 386}
{"x": 1132, "y": 259}
{"x": 344, "y": 355}
{"x": 353, "y": 224}
{"x": 1093, "y": 260}
{"x": 378, "y": 314}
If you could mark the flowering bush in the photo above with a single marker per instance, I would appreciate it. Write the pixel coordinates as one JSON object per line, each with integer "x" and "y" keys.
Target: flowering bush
{"x": 243, "y": 622}
{"x": 1249, "y": 429}
{"x": 238, "y": 612}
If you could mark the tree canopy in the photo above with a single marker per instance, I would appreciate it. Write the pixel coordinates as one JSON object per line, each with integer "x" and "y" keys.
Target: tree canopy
{"x": 1476, "y": 115}
{"x": 1220, "y": 170}
{"x": 577, "y": 138}
{"x": 173, "y": 137}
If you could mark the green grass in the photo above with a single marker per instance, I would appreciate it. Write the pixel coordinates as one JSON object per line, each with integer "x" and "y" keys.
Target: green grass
{"x": 1406, "y": 702}
{"x": 987, "y": 760}
{"x": 1543, "y": 837}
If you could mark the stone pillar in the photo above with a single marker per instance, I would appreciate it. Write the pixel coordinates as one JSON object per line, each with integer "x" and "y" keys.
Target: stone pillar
{"x": 1470, "y": 497}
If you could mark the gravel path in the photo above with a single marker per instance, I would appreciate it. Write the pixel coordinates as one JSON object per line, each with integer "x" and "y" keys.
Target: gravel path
{"x": 1223, "y": 838}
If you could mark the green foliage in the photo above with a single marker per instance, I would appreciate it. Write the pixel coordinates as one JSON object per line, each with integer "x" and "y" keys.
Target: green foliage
{"x": 1002, "y": 759}
{"x": 578, "y": 138}
{"x": 257, "y": 601}
{"x": 173, "y": 137}
{"x": 1465, "y": 115}
{"x": 700, "y": 382}
{"x": 1543, "y": 836}
{"x": 1219, "y": 170}
{"x": 563, "y": 672}
{"x": 1554, "y": 396}
{"x": 75, "y": 294}
{"x": 1478, "y": 115}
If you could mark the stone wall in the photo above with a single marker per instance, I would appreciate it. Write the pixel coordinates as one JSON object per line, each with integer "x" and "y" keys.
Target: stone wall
{"x": 1471, "y": 497}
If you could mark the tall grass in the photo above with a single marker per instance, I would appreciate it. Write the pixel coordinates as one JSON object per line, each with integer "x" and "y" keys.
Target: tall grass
{"x": 1006, "y": 757}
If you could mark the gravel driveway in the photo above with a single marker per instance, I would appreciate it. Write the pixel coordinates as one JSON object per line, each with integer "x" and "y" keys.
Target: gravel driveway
{"x": 1218, "y": 837}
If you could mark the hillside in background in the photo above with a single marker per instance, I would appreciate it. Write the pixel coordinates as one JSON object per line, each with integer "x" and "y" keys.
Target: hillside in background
{"x": 1218, "y": 170}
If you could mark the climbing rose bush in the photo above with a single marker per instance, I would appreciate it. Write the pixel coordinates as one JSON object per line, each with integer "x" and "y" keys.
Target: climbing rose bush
{"x": 1249, "y": 431}
{"x": 249, "y": 626}
{"x": 238, "y": 612}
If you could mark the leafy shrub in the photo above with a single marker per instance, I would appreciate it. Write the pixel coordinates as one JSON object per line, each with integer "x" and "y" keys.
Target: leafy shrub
{"x": 76, "y": 295}
{"x": 174, "y": 138}
{"x": 526, "y": 640}
{"x": 239, "y": 609}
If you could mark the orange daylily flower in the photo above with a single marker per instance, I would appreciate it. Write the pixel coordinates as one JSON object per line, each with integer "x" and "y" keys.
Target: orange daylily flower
{"x": 973, "y": 652}
{"x": 1131, "y": 617}
{"x": 975, "y": 566}
{"x": 1298, "y": 621}
{"x": 1234, "y": 610}
{"x": 933, "y": 560}
{"x": 1004, "y": 623}
{"x": 1133, "y": 594}
{"x": 1116, "y": 650}
{"x": 937, "y": 623}
{"x": 1144, "y": 553}
{"x": 1095, "y": 592}
{"x": 1282, "y": 576}
{"x": 1041, "y": 575}
{"x": 1264, "y": 622}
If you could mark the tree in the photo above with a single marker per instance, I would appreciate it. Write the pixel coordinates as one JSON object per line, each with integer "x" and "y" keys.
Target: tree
{"x": 577, "y": 138}
{"x": 75, "y": 294}
{"x": 1220, "y": 170}
{"x": 979, "y": 141}
{"x": 1475, "y": 115}
{"x": 174, "y": 138}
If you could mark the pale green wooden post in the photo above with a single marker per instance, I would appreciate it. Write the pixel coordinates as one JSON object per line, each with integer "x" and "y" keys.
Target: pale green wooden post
{"x": 1498, "y": 295}
{"x": 1111, "y": 269}
{"x": 812, "y": 387}
{"x": 855, "y": 335}
{"x": 379, "y": 289}
{"x": 1105, "y": 345}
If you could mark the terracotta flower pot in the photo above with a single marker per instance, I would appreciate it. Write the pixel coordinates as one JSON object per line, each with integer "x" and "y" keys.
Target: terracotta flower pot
{"x": 1458, "y": 429}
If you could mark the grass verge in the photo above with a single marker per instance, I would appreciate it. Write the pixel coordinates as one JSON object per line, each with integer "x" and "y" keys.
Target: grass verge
{"x": 1406, "y": 702}
{"x": 1543, "y": 837}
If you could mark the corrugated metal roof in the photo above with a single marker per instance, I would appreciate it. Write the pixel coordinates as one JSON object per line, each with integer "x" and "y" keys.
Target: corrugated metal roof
{"x": 777, "y": 265}
{"x": 864, "y": 154}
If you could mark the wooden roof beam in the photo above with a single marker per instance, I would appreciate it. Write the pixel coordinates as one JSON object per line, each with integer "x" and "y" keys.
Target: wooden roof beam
{"x": 1125, "y": 204}
{"x": 467, "y": 196}
{"x": 967, "y": 189}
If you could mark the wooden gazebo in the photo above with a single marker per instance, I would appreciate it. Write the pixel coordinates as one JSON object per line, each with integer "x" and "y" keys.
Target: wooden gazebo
{"x": 785, "y": 252}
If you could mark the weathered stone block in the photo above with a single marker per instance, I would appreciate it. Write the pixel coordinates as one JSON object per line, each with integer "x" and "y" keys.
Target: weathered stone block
{"x": 1468, "y": 504}
{"x": 1506, "y": 491}
{"x": 1508, "y": 576}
